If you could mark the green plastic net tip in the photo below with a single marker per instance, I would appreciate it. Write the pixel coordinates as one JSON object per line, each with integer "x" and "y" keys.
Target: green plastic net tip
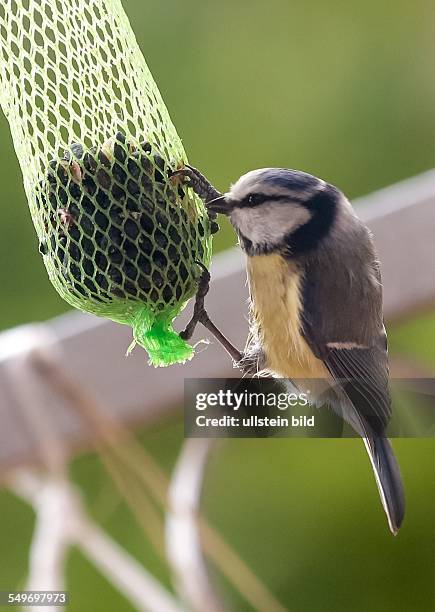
{"x": 119, "y": 235}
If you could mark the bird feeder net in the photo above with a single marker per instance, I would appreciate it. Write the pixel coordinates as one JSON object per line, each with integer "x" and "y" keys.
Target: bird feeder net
{"x": 120, "y": 236}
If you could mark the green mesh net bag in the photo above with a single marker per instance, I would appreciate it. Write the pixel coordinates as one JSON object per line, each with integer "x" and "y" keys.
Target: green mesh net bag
{"x": 120, "y": 237}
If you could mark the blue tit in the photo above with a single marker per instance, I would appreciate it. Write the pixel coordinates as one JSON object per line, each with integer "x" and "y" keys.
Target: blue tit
{"x": 315, "y": 301}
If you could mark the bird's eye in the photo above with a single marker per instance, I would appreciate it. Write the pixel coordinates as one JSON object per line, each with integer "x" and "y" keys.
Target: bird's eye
{"x": 254, "y": 199}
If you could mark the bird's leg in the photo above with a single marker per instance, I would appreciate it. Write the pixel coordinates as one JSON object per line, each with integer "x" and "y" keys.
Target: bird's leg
{"x": 205, "y": 190}
{"x": 199, "y": 183}
{"x": 201, "y": 186}
{"x": 200, "y": 316}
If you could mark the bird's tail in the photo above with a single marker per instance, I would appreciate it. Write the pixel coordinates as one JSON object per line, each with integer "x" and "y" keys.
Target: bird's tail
{"x": 388, "y": 479}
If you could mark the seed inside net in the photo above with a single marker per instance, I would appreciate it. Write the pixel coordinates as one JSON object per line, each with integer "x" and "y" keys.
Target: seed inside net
{"x": 116, "y": 224}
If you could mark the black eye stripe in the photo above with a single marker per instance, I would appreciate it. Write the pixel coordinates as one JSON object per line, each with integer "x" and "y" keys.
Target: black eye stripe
{"x": 256, "y": 199}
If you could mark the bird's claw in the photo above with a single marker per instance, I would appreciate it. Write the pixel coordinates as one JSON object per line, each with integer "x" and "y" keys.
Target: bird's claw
{"x": 197, "y": 182}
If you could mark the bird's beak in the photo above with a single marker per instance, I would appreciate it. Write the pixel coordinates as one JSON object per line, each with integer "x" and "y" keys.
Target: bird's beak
{"x": 221, "y": 205}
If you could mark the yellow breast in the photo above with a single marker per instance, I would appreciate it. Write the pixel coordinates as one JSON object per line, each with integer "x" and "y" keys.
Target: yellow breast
{"x": 276, "y": 306}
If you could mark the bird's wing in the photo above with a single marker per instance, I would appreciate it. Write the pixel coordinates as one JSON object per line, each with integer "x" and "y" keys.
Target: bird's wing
{"x": 342, "y": 323}
{"x": 358, "y": 373}
{"x": 362, "y": 377}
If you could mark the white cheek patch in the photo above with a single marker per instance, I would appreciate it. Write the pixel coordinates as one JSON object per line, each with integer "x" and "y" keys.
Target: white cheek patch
{"x": 270, "y": 222}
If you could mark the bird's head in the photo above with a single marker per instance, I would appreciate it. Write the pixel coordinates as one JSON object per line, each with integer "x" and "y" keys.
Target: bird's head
{"x": 278, "y": 210}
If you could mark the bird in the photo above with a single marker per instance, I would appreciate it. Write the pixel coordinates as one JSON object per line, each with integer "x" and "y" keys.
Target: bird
{"x": 316, "y": 309}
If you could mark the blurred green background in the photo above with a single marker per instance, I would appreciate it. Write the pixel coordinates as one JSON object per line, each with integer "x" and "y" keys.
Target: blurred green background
{"x": 343, "y": 90}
